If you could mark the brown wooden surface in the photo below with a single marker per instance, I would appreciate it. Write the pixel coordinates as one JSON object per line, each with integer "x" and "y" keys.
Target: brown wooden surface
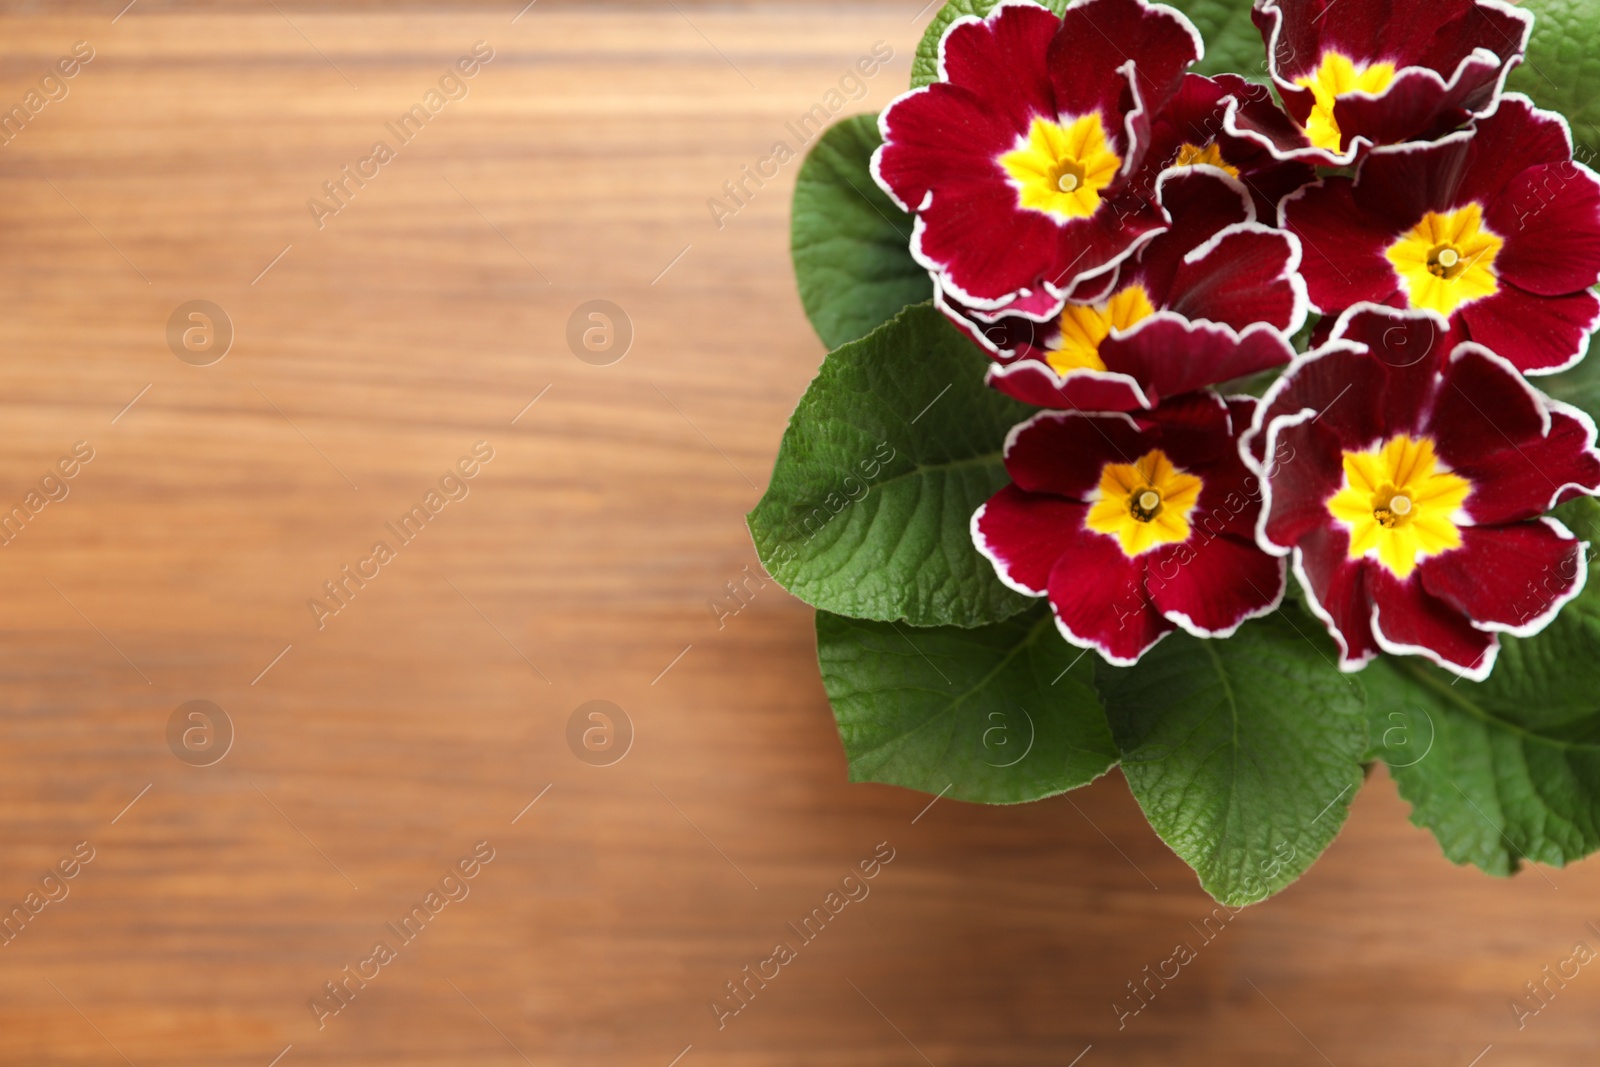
{"x": 377, "y": 751}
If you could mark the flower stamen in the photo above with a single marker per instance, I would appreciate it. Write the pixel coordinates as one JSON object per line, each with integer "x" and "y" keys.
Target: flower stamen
{"x": 1399, "y": 503}
{"x": 1060, "y": 168}
{"x": 1190, "y": 155}
{"x": 1144, "y": 504}
{"x": 1447, "y": 261}
{"x": 1083, "y": 327}
{"x": 1334, "y": 77}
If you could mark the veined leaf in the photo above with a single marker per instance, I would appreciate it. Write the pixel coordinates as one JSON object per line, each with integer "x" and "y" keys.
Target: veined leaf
{"x": 894, "y": 446}
{"x": 995, "y": 715}
{"x": 1243, "y": 753}
{"x": 851, "y": 243}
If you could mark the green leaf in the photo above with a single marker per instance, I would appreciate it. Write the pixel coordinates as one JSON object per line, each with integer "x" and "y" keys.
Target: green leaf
{"x": 1233, "y": 44}
{"x": 1507, "y": 769}
{"x": 925, "y": 64}
{"x": 894, "y": 446}
{"x": 851, "y": 243}
{"x": 1579, "y": 386}
{"x": 995, "y": 715}
{"x": 1582, "y": 517}
{"x": 1562, "y": 71}
{"x": 1244, "y": 753}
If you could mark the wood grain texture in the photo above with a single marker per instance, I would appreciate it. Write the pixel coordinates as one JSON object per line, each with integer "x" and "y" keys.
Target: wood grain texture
{"x": 429, "y": 712}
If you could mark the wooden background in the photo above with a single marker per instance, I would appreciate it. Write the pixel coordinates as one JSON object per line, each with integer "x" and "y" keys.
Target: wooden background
{"x": 427, "y": 715}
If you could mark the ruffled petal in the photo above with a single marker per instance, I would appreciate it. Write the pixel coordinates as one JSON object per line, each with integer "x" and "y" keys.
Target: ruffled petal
{"x": 1304, "y": 475}
{"x": 1023, "y": 534}
{"x": 1168, "y": 355}
{"x": 1336, "y": 592}
{"x": 1002, "y": 60}
{"x": 1196, "y": 119}
{"x": 1516, "y": 135}
{"x": 985, "y": 249}
{"x": 1374, "y": 378}
{"x": 1550, "y": 218}
{"x": 1518, "y": 481}
{"x": 1508, "y": 578}
{"x": 1407, "y": 620}
{"x": 1276, "y": 133}
{"x": 1060, "y": 453}
{"x": 1436, "y": 35}
{"x": 1343, "y": 246}
{"x": 1100, "y": 601}
{"x": 1194, "y": 429}
{"x": 1538, "y": 334}
{"x": 1032, "y": 381}
{"x": 1201, "y": 202}
{"x": 942, "y": 137}
{"x": 1418, "y": 104}
{"x": 1241, "y": 277}
{"x": 1212, "y": 586}
{"x": 1483, "y": 406}
{"x": 1409, "y": 349}
{"x": 1447, "y": 59}
{"x": 1100, "y": 37}
{"x": 1402, "y": 183}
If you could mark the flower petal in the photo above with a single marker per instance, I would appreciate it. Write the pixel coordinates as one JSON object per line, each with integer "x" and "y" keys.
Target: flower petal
{"x": 1483, "y": 405}
{"x": 1169, "y": 355}
{"x": 1512, "y": 483}
{"x": 1538, "y": 334}
{"x": 1550, "y": 216}
{"x": 1196, "y": 117}
{"x": 1419, "y": 103}
{"x": 1404, "y": 182}
{"x": 1342, "y": 262}
{"x": 1060, "y": 453}
{"x": 1100, "y": 37}
{"x": 1514, "y": 136}
{"x": 1297, "y": 505}
{"x": 1449, "y": 59}
{"x": 1023, "y": 534}
{"x": 1407, "y": 620}
{"x": 1246, "y": 274}
{"x": 1275, "y": 133}
{"x": 1201, "y": 202}
{"x": 1370, "y": 380}
{"x": 1512, "y": 579}
{"x": 1002, "y": 59}
{"x": 1033, "y": 381}
{"x": 1215, "y": 586}
{"x": 1100, "y": 601}
{"x": 1336, "y": 592}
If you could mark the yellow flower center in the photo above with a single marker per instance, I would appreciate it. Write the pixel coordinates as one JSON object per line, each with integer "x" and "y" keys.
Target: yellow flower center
{"x": 1211, "y": 155}
{"x": 1446, "y": 261}
{"x": 1084, "y": 326}
{"x": 1334, "y": 77}
{"x": 1060, "y": 169}
{"x": 1399, "y": 504}
{"x": 1145, "y": 504}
